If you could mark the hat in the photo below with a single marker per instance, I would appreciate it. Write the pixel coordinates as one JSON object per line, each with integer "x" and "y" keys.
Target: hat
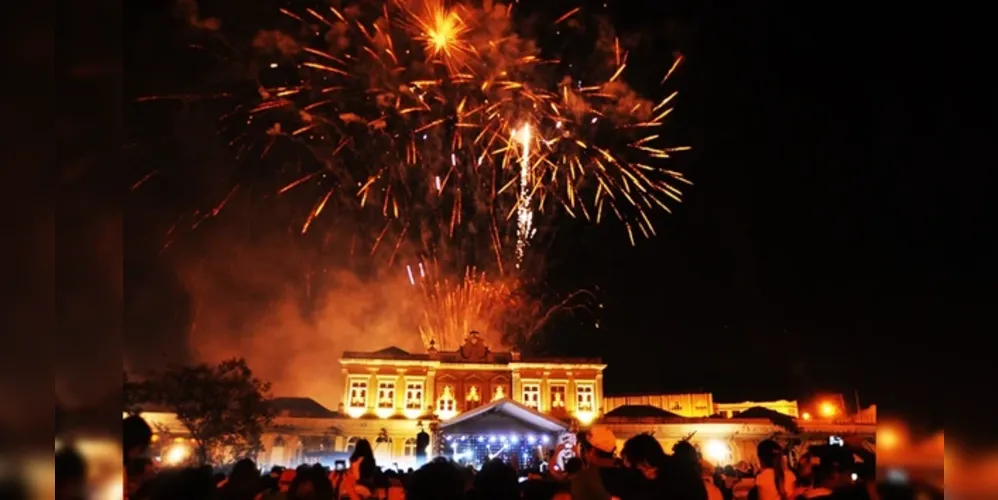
{"x": 602, "y": 438}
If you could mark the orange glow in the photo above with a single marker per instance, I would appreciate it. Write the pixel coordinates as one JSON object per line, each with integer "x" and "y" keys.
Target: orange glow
{"x": 356, "y": 412}
{"x": 806, "y": 416}
{"x": 585, "y": 417}
{"x": 828, "y": 409}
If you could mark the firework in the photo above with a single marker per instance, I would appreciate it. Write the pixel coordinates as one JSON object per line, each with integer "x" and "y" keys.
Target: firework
{"x": 500, "y": 310}
{"x": 440, "y": 119}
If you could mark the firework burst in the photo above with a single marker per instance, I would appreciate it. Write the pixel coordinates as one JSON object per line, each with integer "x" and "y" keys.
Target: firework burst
{"x": 453, "y": 136}
{"x": 440, "y": 119}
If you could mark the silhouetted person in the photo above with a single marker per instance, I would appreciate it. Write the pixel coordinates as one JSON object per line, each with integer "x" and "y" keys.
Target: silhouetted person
{"x": 496, "y": 481}
{"x": 135, "y": 437}
{"x": 244, "y": 482}
{"x": 70, "y": 475}
{"x": 437, "y": 480}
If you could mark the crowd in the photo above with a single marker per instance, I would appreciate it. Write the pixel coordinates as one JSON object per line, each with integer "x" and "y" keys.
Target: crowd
{"x": 641, "y": 470}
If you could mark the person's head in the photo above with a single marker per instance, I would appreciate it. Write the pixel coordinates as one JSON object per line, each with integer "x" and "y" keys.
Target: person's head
{"x": 597, "y": 444}
{"x": 437, "y": 480}
{"x": 644, "y": 453}
{"x": 770, "y": 454}
{"x": 685, "y": 453}
{"x": 729, "y": 470}
{"x": 363, "y": 450}
{"x": 496, "y": 481}
{"x": 135, "y": 436}
{"x": 834, "y": 467}
{"x": 70, "y": 474}
{"x": 244, "y": 470}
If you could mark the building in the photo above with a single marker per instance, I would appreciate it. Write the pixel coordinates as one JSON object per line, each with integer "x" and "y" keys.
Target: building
{"x": 439, "y": 385}
{"x": 698, "y": 405}
{"x": 391, "y": 395}
{"x": 478, "y": 403}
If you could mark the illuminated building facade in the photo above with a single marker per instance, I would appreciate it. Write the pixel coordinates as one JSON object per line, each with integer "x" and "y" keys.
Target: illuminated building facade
{"x": 439, "y": 385}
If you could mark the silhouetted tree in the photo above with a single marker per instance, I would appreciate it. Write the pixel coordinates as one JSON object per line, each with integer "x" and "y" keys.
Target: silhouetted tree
{"x": 224, "y": 407}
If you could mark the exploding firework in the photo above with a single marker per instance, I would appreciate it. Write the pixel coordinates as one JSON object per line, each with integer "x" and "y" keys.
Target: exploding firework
{"x": 451, "y": 136}
{"x": 446, "y": 124}
{"x": 500, "y": 310}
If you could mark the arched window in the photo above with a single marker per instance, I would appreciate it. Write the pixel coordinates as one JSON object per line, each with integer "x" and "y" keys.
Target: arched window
{"x": 352, "y": 444}
{"x": 410, "y": 447}
{"x": 446, "y": 402}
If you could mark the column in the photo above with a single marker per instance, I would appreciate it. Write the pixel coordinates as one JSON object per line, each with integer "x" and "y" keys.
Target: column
{"x": 430, "y": 391}
{"x": 598, "y": 394}
{"x": 400, "y": 385}
{"x": 545, "y": 405}
{"x": 372, "y": 391}
{"x": 345, "y": 400}
{"x": 516, "y": 388}
{"x": 570, "y": 404}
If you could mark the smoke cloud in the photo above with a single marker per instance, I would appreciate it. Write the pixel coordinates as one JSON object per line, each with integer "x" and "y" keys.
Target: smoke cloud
{"x": 288, "y": 311}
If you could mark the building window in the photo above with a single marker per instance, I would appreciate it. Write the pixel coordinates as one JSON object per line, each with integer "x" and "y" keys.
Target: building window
{"x": 532, "y": 395}
{"x": 414, "y": 396}
{"x": 352, "y": 444}
{"x": 446, "y": 402}
{"x": 557, "y": 397}
{"x": 584, "y": 397}
{"x": 473, "y": 395}
{"x": 410, "y": 447}
{"x": 676, "y": 406}
{"x": 358, "y": 394}
{"x": 386, "y": 395}
{"x": 499, "y": 393}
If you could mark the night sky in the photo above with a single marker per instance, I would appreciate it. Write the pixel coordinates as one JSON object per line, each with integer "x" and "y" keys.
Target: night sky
{"x": 810, "y": 255}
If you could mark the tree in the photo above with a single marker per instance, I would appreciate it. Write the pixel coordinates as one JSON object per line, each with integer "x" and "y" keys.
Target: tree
{"x": 136, "y": 393}
{"x": 224, "y": 407}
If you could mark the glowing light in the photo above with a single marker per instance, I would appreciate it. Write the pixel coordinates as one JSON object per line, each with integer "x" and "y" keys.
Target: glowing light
{"x": 384, "y": 412}
{"x": 888, "y": 438}
{"x": 177, "y": 454}
{"x": 585, "y": 417}
{"x": 806, "y": 416}
{"x": 446, "y": 414}
{"x": 412, "y": 414}
{"x": 717, "y": 451}
{"x": 828, "y": 409}
{"x": 356, "y": 412}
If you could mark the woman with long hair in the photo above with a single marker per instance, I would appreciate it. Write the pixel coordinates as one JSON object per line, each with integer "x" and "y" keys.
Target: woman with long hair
{"x": 775, "y": 481}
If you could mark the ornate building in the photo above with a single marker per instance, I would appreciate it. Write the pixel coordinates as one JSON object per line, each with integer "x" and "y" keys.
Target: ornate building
{"x": 439, "y": 385}
{"x": 484, "y": 403}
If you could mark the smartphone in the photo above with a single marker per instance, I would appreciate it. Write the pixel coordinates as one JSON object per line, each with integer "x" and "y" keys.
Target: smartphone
{"x": 340, "y": 465}
{"x": 836, "y": 441}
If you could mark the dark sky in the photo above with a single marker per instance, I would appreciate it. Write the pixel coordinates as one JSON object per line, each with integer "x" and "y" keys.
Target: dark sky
{"x": 813, "y": 252}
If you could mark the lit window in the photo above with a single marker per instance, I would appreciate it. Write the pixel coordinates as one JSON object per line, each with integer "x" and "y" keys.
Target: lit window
{"x": 584, "y": 397}
{"x": 386, "y": 395}
{"x": 532, "y": 395}
{"x": 358, "y": 394}
{"x": 499, "y": 393}
{"x": 410, "y": 447}
{"x": 473, "y": 395}
{"x": 557, "y": 396}
{"x": 414, "y": 396}
{"x": 446, "y": 402}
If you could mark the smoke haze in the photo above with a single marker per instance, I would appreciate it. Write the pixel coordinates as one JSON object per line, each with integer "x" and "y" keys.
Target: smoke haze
{"x": 289, "y": 313}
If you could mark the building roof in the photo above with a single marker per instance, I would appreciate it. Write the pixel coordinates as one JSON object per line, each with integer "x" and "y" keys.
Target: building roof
{"x": 504, "y": 415}
{"x": 640, "y": 411}
{"x": 498, "y": 357}
{"x": 301, "y": 408}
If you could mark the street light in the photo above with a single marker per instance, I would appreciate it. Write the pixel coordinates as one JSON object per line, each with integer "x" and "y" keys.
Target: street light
{"x": 806, "y": 416}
